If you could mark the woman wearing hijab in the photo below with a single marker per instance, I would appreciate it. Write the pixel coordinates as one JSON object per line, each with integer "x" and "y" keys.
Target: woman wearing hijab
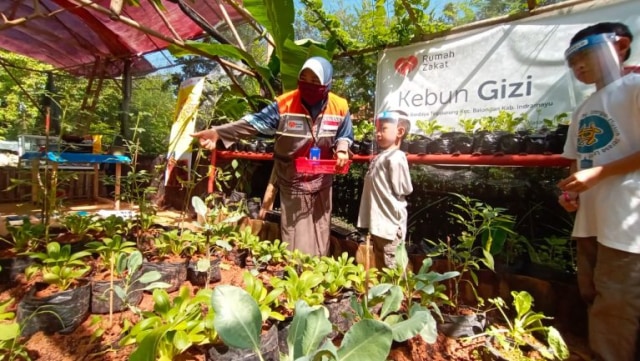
{"x": 309, "y": 117}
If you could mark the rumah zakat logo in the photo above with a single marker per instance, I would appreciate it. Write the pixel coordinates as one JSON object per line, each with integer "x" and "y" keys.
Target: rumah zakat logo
{"x": 406, "y": 65}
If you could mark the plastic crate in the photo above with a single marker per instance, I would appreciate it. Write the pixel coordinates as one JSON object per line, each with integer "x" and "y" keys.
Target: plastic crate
{"x": 322, "y": 166}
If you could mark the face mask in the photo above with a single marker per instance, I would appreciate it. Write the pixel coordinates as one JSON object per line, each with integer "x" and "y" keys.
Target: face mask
{"x": 311, "y": 93}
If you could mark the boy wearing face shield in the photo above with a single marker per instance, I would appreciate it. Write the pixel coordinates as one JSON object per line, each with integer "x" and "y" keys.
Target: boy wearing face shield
{"x": 309, "y": 117}
{"x": 604, "y": 188}
{"x": 383, "y": 205}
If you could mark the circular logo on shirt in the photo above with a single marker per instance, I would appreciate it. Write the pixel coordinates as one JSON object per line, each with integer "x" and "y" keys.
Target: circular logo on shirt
{"x": 595, "y": 132}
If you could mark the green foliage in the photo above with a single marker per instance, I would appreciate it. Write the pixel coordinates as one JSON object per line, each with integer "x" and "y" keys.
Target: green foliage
{"x": 129, "y": 265}
{"x": 302, "y": 287}
{"x": 58, "y": 265}
{"x": 554, "y": 251}
{"x": 429, "y": 127}
{"x": 172, "y": 327}
{"x": 363, "y": 129}
{"x": 341, "y": 274}
{"x": 170, "y": 243}
{"x": 238, "y": 322}
{"x": 112, "y": 225}
{"x": 26, "y": 237}
{"x": 10, "y": 346}
{"x": 520, "y": 330}
{"x": 78, "y": 224}
{"x": 266, "y": 299}
{"x": 110, "y": 249}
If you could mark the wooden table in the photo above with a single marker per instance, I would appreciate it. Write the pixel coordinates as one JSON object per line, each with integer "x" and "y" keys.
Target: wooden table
{"x": 65, "y": 157}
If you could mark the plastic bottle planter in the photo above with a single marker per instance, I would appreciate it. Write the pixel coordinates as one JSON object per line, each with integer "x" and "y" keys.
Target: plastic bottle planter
{"x": 199, "y": 278}
{"x": 419, "y": 145}
{"x": 11, "y": 268}
{"x": 60, "y": 312}
{"x": 511, "y": 143}
{"x": 100, "y": 295}
{"x": 268, "y": 348}
{"x": 458, "y": 326}
{"x": 173, "y": 273}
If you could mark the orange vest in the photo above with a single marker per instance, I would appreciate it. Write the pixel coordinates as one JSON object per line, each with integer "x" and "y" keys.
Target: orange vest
{"x": 295, "y": 136}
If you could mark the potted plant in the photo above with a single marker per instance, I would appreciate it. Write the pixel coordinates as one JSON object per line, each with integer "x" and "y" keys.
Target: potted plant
{"x": 61, "y": 301}
{"x": 107, "y": 274}
{"x": 21, "y": 240}
{"x": 525, "y": 331}
{"x": 167, "y": 258}
{"x": 172, "y": 327}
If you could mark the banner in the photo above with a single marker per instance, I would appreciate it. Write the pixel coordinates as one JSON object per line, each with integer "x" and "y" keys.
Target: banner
{"x": 179, "y": 154}
{"x": 516, "y": 67}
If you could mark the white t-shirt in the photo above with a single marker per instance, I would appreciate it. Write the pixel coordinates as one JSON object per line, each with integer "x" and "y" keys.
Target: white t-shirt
{"x": 605, "y": 128}
{"x": 383, "y": 206}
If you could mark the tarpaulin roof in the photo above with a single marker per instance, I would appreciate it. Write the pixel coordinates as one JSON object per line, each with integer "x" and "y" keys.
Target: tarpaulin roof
{"x": 75, "y": 35}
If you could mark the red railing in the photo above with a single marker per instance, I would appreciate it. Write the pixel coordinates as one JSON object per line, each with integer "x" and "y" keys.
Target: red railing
{"x": 505, "y": 160}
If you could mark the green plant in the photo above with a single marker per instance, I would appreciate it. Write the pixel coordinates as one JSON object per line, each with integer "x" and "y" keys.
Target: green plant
{"x": 468, "y": 125}
{"x": 483, "y": 222}
{"x": 170, "y": 243}
{"x": 424, "y": 285}
{"x": 109, "y": 249}
{"x": 300, "y": 287}
{"x": 362, "y": 130}
{"x": 558, "y": 119}
{"x": 129, "y": 265}
{"x": 267, "y": 300}
{"x": 10, "y": 346}
{"x": 429, "y": 127}
{"x": 112, "y": 225}
{"x": 58, "y": 265}
{"x": 26, "y": 237}
{"x": 172, "y": 327}
{"x": 239, "y": 323}
{"x": 78, "y": 224}
{"x": 555, "y": 252}
{"x": 520, "y": 330}
{"x": 340, "y": 274}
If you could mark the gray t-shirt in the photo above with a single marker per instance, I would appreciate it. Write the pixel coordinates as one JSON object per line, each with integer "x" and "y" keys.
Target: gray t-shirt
{"x": 383, "y": 206}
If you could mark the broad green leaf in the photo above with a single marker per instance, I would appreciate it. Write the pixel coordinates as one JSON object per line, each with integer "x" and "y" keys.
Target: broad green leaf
{"x": 9, "y": 331}
{"x": 392, "y": 302}
{"x": 407, "y": 329}
{"x": 181, "y": 341}
{"x": 148, "y": 348}
{"x": 367, "y": 340}
{"x": 149, "y": 277}
{"x": 238, "y": 320}
{"x": 199, "y": 206}
{"x": 317, "y": 328}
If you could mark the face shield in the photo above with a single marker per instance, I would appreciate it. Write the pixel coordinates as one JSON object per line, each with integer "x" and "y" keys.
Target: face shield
{"x": 594, "y": 59}
{"x": 386, "y": 117}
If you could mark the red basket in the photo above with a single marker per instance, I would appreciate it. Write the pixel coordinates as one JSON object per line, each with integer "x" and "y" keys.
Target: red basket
{"x": 322, "y": 166}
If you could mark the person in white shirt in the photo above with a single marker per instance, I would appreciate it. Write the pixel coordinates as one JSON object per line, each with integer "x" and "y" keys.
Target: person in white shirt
{"x": 604, "y": 187}
{"x": 383, "y": 205}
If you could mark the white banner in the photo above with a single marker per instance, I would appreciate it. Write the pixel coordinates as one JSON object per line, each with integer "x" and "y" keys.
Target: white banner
{"x": 179, "y": 154}
{"x": 516, "y": 67}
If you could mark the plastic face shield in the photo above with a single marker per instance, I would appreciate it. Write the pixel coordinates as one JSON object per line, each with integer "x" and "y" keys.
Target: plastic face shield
{"x": 386, "y": 117}
{"x": 597, "y": 55}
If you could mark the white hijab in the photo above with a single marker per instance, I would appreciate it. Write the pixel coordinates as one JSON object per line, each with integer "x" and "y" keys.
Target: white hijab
{"x": 321, "y": 67}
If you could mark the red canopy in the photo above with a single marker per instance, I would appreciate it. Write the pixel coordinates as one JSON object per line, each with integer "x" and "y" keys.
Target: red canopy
{"x": 75, "y": 36}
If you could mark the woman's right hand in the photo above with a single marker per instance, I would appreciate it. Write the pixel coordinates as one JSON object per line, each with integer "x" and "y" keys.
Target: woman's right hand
{"x": 208, "y": 138}
{"x": 569, "y": 201}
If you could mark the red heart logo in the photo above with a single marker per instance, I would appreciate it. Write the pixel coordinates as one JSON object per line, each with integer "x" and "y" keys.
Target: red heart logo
{"x": 405, "y": 65}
